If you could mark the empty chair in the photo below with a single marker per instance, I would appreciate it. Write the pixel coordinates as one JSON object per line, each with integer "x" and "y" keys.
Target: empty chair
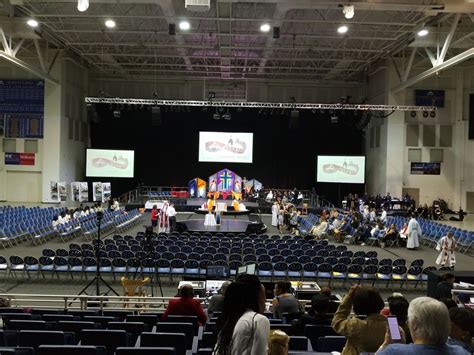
{"x": 57, "y": 317}
{"x": 146, "y": 351}
{"x": 17, "y": 351}
{"x": 185, "y": 319}
{"x": 35, "y": 338}
{"x": 69, "y": 350}
{"x": 314, "y": 332}
{"x": 149, "y": 320}
{"x": 185, "y": 328}
{"x": 103, "y": 321}
{"x": 76, "y": 327}
{"x": 27, "y": 325}
{"x": 298, "y": 343}
{"x": 110, "y": 339}
{"x": 133, "y": 328}
{"x": 174, "y": 340}
{"x": 120, "y": 315}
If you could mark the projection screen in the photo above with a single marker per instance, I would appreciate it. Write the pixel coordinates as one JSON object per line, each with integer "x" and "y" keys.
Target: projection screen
{"x": 109, "y": 163}
{"x": 341, "y": 169}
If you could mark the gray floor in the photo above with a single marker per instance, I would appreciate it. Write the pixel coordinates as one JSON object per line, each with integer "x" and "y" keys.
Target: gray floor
{"x": 67, "y": 286}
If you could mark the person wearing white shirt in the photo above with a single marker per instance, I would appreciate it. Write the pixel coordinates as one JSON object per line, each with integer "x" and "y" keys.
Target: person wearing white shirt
{"x": 366, "y": 213}
{"x": 383, "y": 217}
{"x": 244, "y": 330}
{"x": 414, "y": 232}
{"x": 115, "y": 205}
{"x": 55, "y": 222}
{"x": 372, "y": 215}
{"x": 171, "y": 213}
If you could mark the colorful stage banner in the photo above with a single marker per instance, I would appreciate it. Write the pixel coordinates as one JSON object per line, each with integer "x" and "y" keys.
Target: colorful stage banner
{"x": 238, "y": 184}
{"x": 83, "y": 192}
{"x": 225, "y": 180}
{"x": 97, "y": 191}
{"x": 213, "y": 183}
{"x": 197, "y": 188}
{"x": 19, "y": 158}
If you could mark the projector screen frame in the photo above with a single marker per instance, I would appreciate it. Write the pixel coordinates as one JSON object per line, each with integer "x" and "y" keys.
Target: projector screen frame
{"x": 110, "y": 158}
{"x": 334, "y": 162}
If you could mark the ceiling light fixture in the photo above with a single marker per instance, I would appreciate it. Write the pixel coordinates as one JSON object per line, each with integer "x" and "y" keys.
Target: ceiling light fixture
{"x": 32, "y": 23}
{"x": 265, "y": 27}
{"x": 184, "y": 25}
{"x": 110, "y": 23}
{"x": 82, "y": 5}
{"x": 423, "y": 32}
{"x": 342, "y": 29}
{"x": 348, "y": 11}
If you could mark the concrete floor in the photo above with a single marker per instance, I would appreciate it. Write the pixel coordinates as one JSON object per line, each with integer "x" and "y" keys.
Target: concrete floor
{"x": 67, "y": 286}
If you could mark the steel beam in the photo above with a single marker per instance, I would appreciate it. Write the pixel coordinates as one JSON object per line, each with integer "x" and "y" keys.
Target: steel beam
{"x": 28, "y": 67}
{"x": 445, "y": 65}
{"x": 237, "y": 104}
{"x": 449, "y": 37}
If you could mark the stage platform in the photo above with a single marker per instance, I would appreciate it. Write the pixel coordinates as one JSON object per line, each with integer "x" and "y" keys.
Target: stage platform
{"x": 224, "y": 213}
{"x": 226, "y": 226}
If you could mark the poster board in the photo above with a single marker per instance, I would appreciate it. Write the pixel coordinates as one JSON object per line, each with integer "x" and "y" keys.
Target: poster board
{"x": 83, "y": 192}
{"x": 97, "y": 191}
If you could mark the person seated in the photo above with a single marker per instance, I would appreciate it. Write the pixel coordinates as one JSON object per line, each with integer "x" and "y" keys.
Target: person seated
{"x": 55, "y": 222}
{"x": 428, "y": 322}
{"x": 318, "y": 231}
{"x": 372, "y": 215}
{"x": 398, "y": 306}
{"x": 403, "y": 234}
{"x": 461, "y": 215}
{"x": 444, "y": 287}
{"x": 333, "y": 305}
{"x": 362, "y": 234}
{"x": 284, "y": 301}
{"x": 185, "y": 305}
{"x": 462, "y": 328}
{"x": 235, "y": 205}
{"x": 363, "y": 335}
{"x": 383, "y": 217}
{"x": 216, "y": 303}
{"x": 448, "y": 302}
{"x": 317, "y": 315}
{"x": 278, "y": 343}
{"x": 391, "y": 235}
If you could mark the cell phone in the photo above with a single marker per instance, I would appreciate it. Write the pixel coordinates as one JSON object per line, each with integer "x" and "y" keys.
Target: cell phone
{"x": 395, "y": 334}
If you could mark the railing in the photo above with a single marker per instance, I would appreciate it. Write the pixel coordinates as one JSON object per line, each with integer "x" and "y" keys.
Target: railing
{"x": 85, "y": 302}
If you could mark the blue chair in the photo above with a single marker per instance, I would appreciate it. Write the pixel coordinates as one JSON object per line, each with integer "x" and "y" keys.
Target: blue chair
{"x": 70, "y": 350}
{"x": 150, "y": 320}
{"x": 265, "y": 269}
{"x": 133, "y": 328}
{"x": 146, "y": 351}
{"x": 298, "y": 343}
{"x": 280, "y": 269}
{"x": 384, "y": 273}
{"x": 329, "y": 344}
{"x": 110, "y": 339}
{"x": 76, "y": 327}
{"x": 295, "y": 270}
{"x": 27, "y": 325}
{"x": 174, "y": 340}
{"x": 35, "y": 338}
{"x": 172, "y": 327}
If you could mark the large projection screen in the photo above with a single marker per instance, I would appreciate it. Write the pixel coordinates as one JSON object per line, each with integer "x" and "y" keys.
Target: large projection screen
{"x": 225, "y": 147}
{"x": 110, "y": 163}
{"x": 342, "y": 169}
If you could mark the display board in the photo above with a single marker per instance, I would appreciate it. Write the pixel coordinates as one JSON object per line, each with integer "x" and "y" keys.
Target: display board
{"x": 109, "y": 163}
{"x": 97, "y": 191}
{"x": 341, "y": 169}
{"x": 225, "y": 147}
{"x": 425, "y": 169}
{"x": 22, "y": 108}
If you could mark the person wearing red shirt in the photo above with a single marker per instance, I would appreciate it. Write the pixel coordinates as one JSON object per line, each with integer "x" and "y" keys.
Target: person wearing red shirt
{"x": 154, "y": 216}
{"x": 185, "y": 305}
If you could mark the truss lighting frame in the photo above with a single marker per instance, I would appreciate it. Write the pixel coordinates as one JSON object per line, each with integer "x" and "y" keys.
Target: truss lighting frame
{"x": 242, "y": 104}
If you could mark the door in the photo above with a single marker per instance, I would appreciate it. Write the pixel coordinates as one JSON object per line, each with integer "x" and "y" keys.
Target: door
{"x": 470, "y": 202}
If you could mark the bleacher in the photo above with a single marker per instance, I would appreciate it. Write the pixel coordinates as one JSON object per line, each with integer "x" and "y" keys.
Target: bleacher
{"x": 20, "y": 224}
{"x": 127, "y": 332}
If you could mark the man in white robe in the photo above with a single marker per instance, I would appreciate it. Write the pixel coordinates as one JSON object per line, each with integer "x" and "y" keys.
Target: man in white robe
{"x": 414, "y": 232}
{"x": 275, "y": 211}
{"x": 164, "y": 219}
{"x": 446, "y": 246}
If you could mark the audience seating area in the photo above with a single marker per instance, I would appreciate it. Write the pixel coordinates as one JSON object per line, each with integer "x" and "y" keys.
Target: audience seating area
{"x": 174, "y": 255}
{"x": 54, "y": 331}
{"x": 20, "y": 224}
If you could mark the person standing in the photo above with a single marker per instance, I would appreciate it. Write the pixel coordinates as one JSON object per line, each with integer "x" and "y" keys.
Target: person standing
{"x": 414, "y": 232}
{"x": 281, "y": 218}
{"x": 446, "y": 246}
{"x": 164, "y": 220}
{"x": 154, "y": 216}
{"x": 275, "y": 210}
{"x": 171, "y": 213}
{"x": 445, "y": 286}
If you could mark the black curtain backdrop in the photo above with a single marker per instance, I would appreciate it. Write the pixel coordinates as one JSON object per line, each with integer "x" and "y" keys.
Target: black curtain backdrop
{"x": 167, "y": 154}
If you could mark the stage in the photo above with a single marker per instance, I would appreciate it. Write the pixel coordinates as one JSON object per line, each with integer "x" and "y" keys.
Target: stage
{"x": 199, "y": 201}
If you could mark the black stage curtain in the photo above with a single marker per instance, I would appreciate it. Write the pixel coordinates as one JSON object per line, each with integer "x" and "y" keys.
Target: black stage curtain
{"x": 167, "y": 154}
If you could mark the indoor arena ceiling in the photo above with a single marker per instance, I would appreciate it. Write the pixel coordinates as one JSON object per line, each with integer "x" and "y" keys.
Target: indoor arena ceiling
{"x": 226, "y": 41}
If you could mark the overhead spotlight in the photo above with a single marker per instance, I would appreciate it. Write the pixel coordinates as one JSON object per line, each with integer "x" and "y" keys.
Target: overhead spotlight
{"x": 413, "y": 114}
{"x": 334, "y": 118}
{"x": 348, "y": 11}
{"x": 425, "y": 114}
{"x": 227, "y": 116}
{"x": 216, "y": 116}
{"x": 184, "y": 25}
{"x": 82, "y": 5}
{"x": 117, "y": 113}
{"x": 32, "y": 23}
{"x": 423, "y": 32}
{"x": 342, "y": 29}
{"x": 110, "y": 23}
{"x": 432, "y": 114}
{"x": 265, "y": 27}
